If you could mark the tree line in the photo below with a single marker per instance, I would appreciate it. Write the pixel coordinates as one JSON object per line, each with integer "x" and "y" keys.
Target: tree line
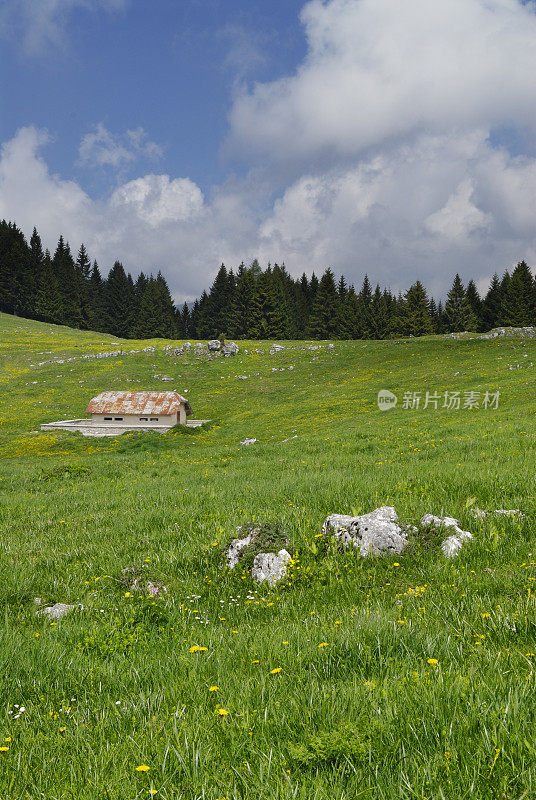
{"x": 249, "y": 303}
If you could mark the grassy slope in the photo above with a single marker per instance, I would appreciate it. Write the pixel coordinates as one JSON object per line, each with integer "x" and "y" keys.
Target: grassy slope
{"x": 363, "y": 716}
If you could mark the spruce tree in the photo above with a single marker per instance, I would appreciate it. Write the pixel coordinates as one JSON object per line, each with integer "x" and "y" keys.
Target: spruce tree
{"x": 458, "y": 313}
{"x": 324, "y": 313}
{"x": 415, "y": 316}
{"x": 491, "y": 306}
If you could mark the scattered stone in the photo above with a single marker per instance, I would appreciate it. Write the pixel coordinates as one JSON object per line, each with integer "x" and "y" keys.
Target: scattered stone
{"x": 214, "y": 346}
{"x": 270, "y": 567}
{"x": 145, "y": 350}
{"x": 478, "y": 513}
{"x": 373, "y": 533}
{"x": 276, "y": 348}
{"x": 452, "y": 544}
{"x": 331, "y": 346}
{"x": 230, "y": 349}
{"x": 248, "y": 441}
{"x": 200, "y": 348}
{"x": 37, "y": 601}
{"x": 57, "y": 611}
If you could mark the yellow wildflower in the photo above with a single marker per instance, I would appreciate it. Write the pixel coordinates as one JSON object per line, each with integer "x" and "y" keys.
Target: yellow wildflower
{"x": 222, "y": 712}
{"x": 275, "y": 670}
{"x": 214, "y": 689}
{"x": 433, "y": 661}
{"x": 142, "y": 768}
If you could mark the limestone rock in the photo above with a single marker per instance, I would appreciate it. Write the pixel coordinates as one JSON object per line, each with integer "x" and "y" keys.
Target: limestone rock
{"x": 145, "y": 350}
{"x": 230, "y": 349}
{"x": 270, "y": 567}
{"x": 452, "y": 544}
{"x": 248, "y": 441}
{"x": 276, "y": 348}
{"x": 372, "y": 534}
{"x": 57, "y": 611}
{"x": 214, "y": 346}
{"x": 236, "y": 547}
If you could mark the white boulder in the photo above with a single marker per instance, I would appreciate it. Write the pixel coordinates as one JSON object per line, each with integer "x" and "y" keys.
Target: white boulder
{"x": 276, "y": 348}
{"x": 371, "y": 534}
{"x": 271, "y": 567}
{"x": 230, "y": 349}
{"x": 214, "y": 345}
{"x": 57, "y": 611}
{"x": 452, "y": 544}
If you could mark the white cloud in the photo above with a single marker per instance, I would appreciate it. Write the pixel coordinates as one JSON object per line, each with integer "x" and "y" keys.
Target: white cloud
{"x": 378, "y": 71}
{"x": 101, "y": 148}
{"x": 41, "y": 23}
{"x": 155, "y": 199}
{"x": 425, "y": 210}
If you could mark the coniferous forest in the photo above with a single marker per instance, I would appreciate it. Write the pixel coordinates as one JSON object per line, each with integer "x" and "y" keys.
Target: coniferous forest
{"x": 246, "y": 303}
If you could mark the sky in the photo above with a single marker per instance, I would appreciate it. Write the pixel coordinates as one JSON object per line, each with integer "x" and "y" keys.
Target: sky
{"x": 369, "y": 136}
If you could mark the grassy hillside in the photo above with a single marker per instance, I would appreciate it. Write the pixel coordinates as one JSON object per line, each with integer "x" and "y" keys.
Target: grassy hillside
{"x": 386, "y": 678}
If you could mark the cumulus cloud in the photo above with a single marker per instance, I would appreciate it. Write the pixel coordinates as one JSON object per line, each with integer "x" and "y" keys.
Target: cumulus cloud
{"x": 422, "y": 210}
{"x": 381, "y": 71}
{"x": 156, "y": 199}
{"x": 103, "y": 149}
{"x": 41, "y": 23}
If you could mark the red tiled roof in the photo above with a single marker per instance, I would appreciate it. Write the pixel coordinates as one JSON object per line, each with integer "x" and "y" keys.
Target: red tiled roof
{"x": 164, "y": 403}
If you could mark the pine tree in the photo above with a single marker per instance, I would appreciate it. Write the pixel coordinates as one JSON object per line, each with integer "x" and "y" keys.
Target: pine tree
{"x": 516, "y": 305}
{"x": 68, "y": 285}
{"x": 48, "y": 301}
{"x": 324, "y": 313}
{"x": 97, "y": 314}
{"x": 491, "y": 307}
{"x": 415, "y": 316}
{"x": 83, "y": 270}
{"x": 475, "y": 302}
{"x": 458, "y": 313}
{"x": 119, "y": 301}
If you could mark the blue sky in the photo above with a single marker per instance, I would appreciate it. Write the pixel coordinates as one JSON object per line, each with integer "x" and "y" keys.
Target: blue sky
{"x": 394, "y": 139}
{"x": 169, "y": 66}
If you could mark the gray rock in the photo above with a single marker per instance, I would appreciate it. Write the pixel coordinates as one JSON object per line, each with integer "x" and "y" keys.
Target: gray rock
{"x": 57, "y": 611}
{"x": 276, "y": 348}
{"x": 145, "y": 350}
{"x": 230, "y": 349}
{"x": 214, "y": 346}
{"x": 236, "y": 547}
{"x": 331, "y": 346}
{"x": 248, "y": 441}
{"x": 452, "y": 544}
{"x": 372, "y": 534}
{"x": 270, "y": 567}
{"x": 200, "y": 348}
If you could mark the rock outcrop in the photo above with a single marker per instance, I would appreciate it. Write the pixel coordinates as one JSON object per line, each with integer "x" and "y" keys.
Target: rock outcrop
{"x": 372, "y": 534}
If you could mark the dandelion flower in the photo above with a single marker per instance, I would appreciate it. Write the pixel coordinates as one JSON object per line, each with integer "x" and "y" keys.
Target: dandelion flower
{"x": 256, "y": 661}
{"x": 196, "y": 649}
{"x": 4, "y": 749}
{"x": 7, "y": 739}
{"x": 214, "y": 689}
{"x": 222, "y": 712}
{"x": 275, "y": 670}
{"x": 62, "y": 730}
{"x": 142, "y": 768}
{"x": 433, "y": 661}
{"x": 323, "y": 644}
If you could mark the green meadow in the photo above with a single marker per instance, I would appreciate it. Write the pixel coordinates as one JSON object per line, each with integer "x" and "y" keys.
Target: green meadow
{"x": 395, "y": 678}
